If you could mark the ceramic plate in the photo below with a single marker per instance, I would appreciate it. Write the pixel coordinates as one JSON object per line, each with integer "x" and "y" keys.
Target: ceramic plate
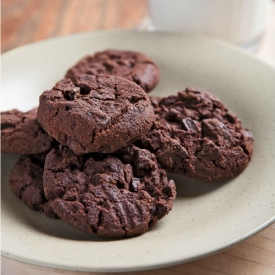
{"x": 207, "y": 217}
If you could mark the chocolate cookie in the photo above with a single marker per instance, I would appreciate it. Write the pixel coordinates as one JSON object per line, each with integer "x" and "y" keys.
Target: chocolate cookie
{"x": 122, "y": 194}
{"x": 22, "y": 134}
{"x": 96, "y": 114}
{"x": 130, "y": 65}
{"x": 26, "y": 182}
{"x": 197, "y": 136}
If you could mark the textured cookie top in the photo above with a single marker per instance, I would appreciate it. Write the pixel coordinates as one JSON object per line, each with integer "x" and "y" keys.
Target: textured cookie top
{"x": 110, "y": 195}
{"x": 22, "y": 134}
{"x": 130, "y": 65}
{"x": 197, "y": 136}
{"x": 96, "y": 114}
{"x": 26, "y": 182}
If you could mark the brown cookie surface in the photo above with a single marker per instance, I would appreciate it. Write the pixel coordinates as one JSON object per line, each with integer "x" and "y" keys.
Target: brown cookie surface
{"x": 96, "y": 114}
{"x": 22, "y": 134}
{"x": 130, "y": 65}
{"x": 26, "y": 182}
{"x": 122, "y": 194}
{"x": 197, "y": 136}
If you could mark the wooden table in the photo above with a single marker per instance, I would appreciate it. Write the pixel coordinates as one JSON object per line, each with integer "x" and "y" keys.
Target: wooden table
{"x": 26, "y": 21}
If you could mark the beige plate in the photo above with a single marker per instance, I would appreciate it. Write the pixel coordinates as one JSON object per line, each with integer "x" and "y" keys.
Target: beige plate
{"x": 207, "y": 217}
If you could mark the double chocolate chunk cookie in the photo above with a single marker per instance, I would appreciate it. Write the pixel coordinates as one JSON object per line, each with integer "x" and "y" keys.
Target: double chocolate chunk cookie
{"x": 22, "y": 134}
{"x": 130, "y": 65}
{"x": 121, "y": 194}
{"x": 197, "y": 136}
{"x": 96, "y": 113}
{"x": 26, "y": 182}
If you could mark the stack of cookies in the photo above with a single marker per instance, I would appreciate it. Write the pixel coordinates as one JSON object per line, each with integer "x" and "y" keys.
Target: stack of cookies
{"x": 96, "y": 150}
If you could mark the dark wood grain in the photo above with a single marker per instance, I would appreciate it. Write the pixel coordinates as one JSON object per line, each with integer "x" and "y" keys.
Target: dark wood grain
{"x": 26, "y": 21}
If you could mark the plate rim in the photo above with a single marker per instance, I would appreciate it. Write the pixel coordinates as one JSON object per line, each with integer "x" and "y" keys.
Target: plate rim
{"x": 142, "y": 267}
{"x": 164, "y": 32}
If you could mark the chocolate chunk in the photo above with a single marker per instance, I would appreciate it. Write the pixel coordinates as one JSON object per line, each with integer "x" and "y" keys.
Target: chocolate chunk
{"x": 189, "y": 124}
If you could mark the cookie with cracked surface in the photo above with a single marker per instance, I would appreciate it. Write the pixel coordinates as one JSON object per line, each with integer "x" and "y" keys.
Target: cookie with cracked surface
{"x": 120, "y": 194}
{"x": 26, "y": 182}
{"x": 22, "y": 134}
{"x": 96, "y": 114}
{"x": 197, "y": 136}
{"x": 130, "y": 65}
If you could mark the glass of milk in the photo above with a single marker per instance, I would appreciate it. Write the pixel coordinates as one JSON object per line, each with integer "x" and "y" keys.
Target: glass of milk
{"x": 241, "y": 22}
